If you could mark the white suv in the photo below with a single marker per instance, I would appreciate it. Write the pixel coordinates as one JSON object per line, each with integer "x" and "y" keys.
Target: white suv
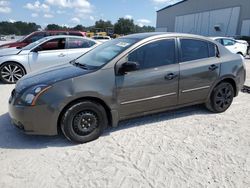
{"x": 235, "y": 46}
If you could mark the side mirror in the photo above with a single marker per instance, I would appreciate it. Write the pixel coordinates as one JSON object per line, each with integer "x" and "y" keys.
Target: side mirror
{"x": 37, "y": 49}
{"x": 128, "y": 67}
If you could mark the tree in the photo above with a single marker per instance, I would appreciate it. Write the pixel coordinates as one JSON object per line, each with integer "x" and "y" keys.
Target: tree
{"x": 103, "y": 25}
{"x": 143, "y": 29}
{"x": 79, "y": 28}
{"x": 18, "y": 28}
{"x": 124, "y": 26}
{"x": 55, "y": 27}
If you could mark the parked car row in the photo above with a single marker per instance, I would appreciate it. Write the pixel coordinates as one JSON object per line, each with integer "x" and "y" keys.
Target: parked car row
{"x": 33, "y": 37}
{"x": 123, "y": 78}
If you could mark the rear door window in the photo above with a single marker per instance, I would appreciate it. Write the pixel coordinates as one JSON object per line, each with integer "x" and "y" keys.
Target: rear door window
{"x": 79, "y": 43}
{"x": 212, "y": 49}
{"x": 192, "y": 49}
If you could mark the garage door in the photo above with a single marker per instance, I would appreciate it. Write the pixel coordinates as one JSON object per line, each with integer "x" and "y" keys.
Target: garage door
{"x": 204, "y": 23}
{"x": 245, "y": 30}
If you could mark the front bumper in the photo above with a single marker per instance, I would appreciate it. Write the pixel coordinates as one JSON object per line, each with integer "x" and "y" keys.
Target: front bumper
{"x": 37, "y": 120}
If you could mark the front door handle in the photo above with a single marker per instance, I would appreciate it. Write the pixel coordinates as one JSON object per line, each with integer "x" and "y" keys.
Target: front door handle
{"x": 213, "y": 67}
{"x": 61, "y": 55}
{"x": 170, "y": 76}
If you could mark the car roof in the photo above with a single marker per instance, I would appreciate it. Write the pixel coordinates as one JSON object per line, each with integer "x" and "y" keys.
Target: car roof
{"x": 67, "y": 36}
{"x": 142, "y": 36}
{"x": 55, "y": 31}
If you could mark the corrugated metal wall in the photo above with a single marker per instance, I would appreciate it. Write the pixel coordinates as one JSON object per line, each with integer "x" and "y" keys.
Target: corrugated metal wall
{"x": 245, "y": 30}
{"x": 204, "y": 23}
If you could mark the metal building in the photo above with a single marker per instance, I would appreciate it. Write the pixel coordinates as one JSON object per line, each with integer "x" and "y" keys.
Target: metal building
{"x": 206, "y": 17}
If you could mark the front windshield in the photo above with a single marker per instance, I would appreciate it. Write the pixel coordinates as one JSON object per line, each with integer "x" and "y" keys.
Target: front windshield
{"x": 32, "y": 45}
{"x": 104, "y": 53}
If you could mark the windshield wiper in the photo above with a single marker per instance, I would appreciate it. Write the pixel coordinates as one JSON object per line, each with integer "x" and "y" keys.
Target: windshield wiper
{"x": 77, "y": 64}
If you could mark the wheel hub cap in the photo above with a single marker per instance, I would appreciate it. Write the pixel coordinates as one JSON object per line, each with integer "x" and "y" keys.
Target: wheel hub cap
{"x": 85, "y": 122}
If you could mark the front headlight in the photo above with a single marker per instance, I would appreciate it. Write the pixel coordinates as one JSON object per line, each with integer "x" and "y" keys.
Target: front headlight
{"x": 30, "y": 96}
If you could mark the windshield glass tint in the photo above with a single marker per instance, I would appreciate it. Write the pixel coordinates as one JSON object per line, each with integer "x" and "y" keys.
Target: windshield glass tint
{"x": 32, "y": 45}
{"x": 106, "y": 52}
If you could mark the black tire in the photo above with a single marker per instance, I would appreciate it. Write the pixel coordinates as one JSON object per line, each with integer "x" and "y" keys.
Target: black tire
{"x": 84, "y": 121}
{"x": 221, "y": 98}
{"x": 11, "y": 72}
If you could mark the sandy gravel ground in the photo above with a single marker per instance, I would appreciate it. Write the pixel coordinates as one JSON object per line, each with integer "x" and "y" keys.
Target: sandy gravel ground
{"x": 189, "y": 147}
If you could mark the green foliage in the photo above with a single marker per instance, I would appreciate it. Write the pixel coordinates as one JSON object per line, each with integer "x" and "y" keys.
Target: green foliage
{"x": 122, "y": 26}
{"x": 127, "y": 26}
{"x": 104, "y": 25}
{"x": 55, "y": 27}
{"x": 18, "y": 28}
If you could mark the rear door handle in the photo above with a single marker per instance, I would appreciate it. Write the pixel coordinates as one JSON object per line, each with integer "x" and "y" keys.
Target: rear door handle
{"x": 170, "y": 76}
{"x": 61, "y": 55}
{"x": 213, "y": 67}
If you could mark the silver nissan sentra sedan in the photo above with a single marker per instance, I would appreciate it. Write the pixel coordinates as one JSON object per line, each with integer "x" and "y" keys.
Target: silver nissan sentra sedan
{"x": 48, "y": 51}
{"x": 124, "y": 78}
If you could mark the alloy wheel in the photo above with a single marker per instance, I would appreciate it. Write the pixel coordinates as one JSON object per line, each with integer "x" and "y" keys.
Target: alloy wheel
{"x": 11, "y": 73}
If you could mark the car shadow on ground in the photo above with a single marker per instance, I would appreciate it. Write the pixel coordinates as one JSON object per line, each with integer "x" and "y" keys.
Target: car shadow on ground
{"x": 12, "y": 138}
{"x": 159, "y": 117}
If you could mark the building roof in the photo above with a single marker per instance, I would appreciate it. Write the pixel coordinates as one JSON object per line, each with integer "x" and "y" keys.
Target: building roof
{"x": 172, "y": 5}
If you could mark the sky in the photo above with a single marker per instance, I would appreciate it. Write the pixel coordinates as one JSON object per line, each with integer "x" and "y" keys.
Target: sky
{"x": 85, "y": 12}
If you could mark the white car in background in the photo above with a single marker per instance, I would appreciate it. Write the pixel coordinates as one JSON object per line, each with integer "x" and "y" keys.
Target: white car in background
{"x": 101, "y": 39}
{"x": 48, "y": 51}
{"x": 235, "y": 46}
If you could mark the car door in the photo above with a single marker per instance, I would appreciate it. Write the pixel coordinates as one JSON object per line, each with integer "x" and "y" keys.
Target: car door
{"x": 155, "y": 85}
{"x": 199, "y": 69}
{"x": 50, "y": 53}
{"x": 78, "y": 46}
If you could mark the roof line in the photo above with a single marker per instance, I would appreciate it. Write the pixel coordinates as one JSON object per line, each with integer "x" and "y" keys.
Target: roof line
{"x": 172, "y": 5}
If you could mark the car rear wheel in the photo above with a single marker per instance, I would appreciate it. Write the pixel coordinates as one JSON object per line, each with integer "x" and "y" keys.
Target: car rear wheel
{"x": 11, "y": 72}
{"x": 84, "y": 121}
{"x": 221, "y": 98}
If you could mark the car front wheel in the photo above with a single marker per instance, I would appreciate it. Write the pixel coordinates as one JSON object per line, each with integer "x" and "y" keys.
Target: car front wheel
{"x": 84, "y": 121}
{"x": 221, "y": 98}
{"x": 11, "y": 72}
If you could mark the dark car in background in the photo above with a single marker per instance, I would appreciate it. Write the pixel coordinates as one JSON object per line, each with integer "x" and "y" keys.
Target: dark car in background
{"x": 125, "y": 78}
{"x": 38, "y": 35}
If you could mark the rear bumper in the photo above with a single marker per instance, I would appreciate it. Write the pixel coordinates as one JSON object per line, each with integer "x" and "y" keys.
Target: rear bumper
{"x": 37, "y": 120}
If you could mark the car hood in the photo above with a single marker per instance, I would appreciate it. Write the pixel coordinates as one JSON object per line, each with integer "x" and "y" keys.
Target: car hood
{"x": 9, "y": 51}
{"x": 50, "y": 76}
{"x": 9, "y": 44}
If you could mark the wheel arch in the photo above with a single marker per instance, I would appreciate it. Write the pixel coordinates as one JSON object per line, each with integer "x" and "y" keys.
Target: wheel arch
{"x": 93, "y": 99}
{"x": 228, "y": 79}
{"x": 6, "y": 62}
